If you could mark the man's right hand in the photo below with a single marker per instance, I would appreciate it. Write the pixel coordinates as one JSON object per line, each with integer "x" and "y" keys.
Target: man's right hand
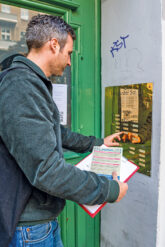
{"x": 123, "y": 187}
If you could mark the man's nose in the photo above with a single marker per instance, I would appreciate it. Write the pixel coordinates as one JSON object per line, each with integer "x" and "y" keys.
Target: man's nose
{"x": 69, "y": 61}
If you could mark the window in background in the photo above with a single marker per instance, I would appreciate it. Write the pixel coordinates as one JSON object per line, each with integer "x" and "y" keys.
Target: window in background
{"x": 12, "y": 41}
{"x": 5, "y": 33}
{"x": 22, "y": 36}
{"x": 24, "y": 14}
{"x": 5, "y": 8}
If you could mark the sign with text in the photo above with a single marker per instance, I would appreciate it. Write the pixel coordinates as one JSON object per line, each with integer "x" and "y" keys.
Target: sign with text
{"x": 60, "y": 98}
{"x": 128, "y": 109}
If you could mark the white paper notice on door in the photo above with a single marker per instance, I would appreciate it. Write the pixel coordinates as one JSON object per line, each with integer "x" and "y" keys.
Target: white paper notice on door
{"x": 60, "y": 98}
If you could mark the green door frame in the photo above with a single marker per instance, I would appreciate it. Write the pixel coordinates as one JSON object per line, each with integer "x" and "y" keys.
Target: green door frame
{"x": 84, "y": 17}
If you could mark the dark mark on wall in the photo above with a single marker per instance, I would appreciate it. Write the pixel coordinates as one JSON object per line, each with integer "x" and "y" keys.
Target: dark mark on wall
{"x": 118, "y": 44}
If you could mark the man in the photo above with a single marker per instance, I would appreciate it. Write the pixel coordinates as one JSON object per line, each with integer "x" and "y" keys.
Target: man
{"x": 30, "y": 128}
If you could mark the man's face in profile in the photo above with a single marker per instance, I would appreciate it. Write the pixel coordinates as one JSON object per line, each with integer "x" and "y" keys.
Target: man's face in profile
{"x": 63, "y": 57}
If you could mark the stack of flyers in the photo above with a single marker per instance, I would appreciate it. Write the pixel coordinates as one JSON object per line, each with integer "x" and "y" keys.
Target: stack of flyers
{"x": 106, "y": 160}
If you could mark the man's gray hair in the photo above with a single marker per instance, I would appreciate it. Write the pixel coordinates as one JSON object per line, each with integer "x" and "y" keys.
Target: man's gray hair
{"x": 43, "y": 28}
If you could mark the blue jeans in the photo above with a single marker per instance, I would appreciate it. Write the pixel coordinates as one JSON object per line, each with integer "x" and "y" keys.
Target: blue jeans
{"x": 41, "y": 235}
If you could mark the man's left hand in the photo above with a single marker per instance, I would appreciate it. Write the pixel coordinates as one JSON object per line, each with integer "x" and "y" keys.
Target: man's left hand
{"x": 110, "y": 141}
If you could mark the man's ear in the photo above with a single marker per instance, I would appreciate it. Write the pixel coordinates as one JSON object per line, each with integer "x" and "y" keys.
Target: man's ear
{"x": 54, "y": 45}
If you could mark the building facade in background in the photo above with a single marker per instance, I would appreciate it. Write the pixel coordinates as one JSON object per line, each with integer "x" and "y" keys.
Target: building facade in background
{"x": 13, "y": 23}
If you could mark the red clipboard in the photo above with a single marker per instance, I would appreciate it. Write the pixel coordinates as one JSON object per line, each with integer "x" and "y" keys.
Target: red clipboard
{"x": 127, "y": 170}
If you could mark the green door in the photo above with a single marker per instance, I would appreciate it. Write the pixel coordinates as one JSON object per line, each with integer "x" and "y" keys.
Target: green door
{"x": 83, "y": 80}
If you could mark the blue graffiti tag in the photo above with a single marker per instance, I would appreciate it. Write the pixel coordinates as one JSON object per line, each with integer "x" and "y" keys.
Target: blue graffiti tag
{"x": 117, "y": 45}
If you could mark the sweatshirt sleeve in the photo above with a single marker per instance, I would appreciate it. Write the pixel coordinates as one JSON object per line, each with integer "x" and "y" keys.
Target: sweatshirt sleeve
{"x": 77, "y": 142}
{"x": 27, "y": 128}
